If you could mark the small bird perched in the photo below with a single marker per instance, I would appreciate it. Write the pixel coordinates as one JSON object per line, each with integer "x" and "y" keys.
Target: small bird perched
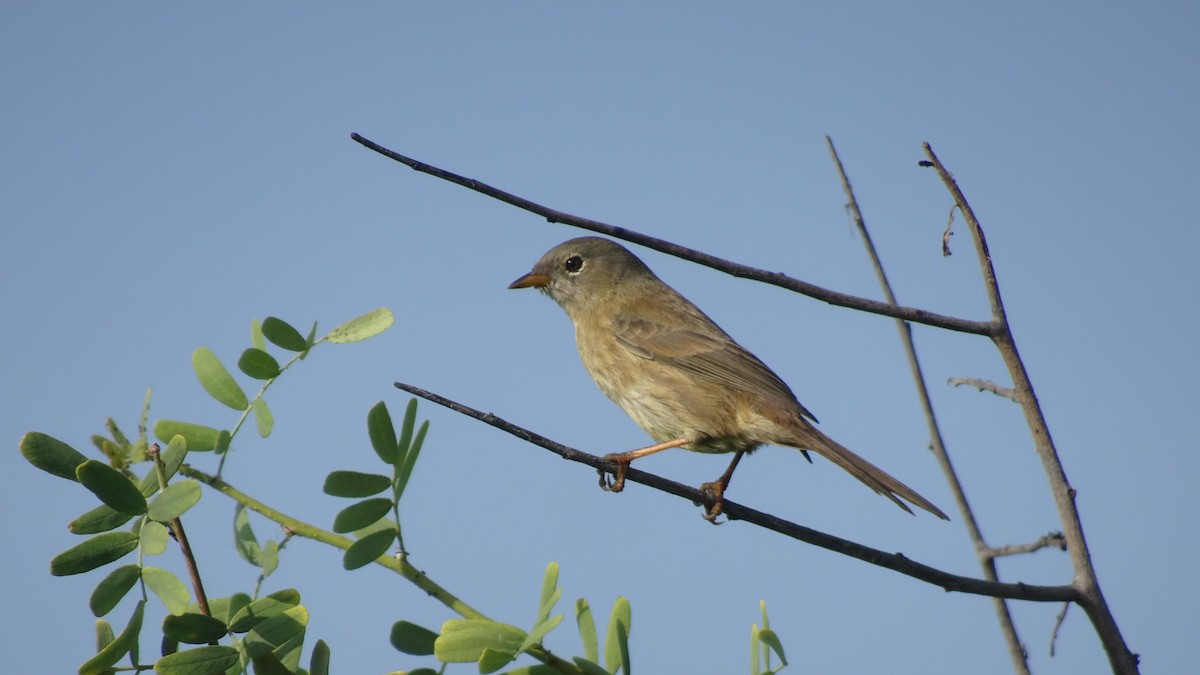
{"x": 677, "y": 374}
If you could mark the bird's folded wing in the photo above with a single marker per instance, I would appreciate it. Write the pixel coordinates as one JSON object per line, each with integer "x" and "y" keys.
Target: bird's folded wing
{"x": 716, "y": 357}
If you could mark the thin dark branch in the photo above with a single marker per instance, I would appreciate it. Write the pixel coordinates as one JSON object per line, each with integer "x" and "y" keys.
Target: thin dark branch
{"x": 1051, "y": 540}
{"x": 985, "y": 385}
{"x": 1091, "y": 598}
{"x": 720, "y": 264}
{"x": 894, "y": 561}
{"x": 185, "y": 547}
{"x": 1008, "y": 627}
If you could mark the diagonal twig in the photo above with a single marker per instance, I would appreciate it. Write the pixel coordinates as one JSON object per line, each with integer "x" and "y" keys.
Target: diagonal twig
{"x": 736, "y": 269}
{"x": 894, "y": 561}
{"x": 1091, "y": 599}
{"x": 987, "y": 563}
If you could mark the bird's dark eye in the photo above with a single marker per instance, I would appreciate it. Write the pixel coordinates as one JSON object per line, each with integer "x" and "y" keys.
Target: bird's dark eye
{"x": 573, "y": 264}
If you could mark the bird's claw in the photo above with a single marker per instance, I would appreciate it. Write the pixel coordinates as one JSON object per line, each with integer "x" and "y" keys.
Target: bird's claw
{"x": 618, "y": 482}
{"x": 716, "y": 491}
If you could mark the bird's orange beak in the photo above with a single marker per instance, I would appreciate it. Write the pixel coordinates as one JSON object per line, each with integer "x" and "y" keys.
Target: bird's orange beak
{"x": 531, "y": 280}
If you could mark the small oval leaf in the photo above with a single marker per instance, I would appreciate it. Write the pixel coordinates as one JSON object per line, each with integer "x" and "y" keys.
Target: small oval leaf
{"x": 263, "y": 418}
{"x": 169, "y": 589}
{"x": 174, "y": 501}
{"x": 100, "y": 519}
{"x": 464, "y": 640}
{"x": 366, "y": 550}
{"x": 216, "y": 380}
{"x": 360, "y": 515}
{"x": 202, "y": 660}
{"x": 366, "y": 326}
{"x": 119, "y": 647}
{"x": 193, "y": 629}
{"x": 51, "y": 455}
{"x": 281, "y": 334}
{"x": 153, "y": 538}
{"x": 198, "y": 437}
{"x": 111, "y": 486}
{"x": 112, "y": 589}
{"x": 355, "y": 484}
{"x": 382, "y": 433}
{"x": 249, "y": 616}
{"x": 258, "y": 364}
{"x": 412, "y": 639}
{"x": 92, "y": 553}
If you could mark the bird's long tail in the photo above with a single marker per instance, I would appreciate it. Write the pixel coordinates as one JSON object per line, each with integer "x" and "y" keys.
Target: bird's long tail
{"x": 872, "y": 476}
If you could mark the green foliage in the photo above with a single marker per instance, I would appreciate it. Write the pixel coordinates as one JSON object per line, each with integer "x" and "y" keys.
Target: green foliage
{"x": 242, "y": 632}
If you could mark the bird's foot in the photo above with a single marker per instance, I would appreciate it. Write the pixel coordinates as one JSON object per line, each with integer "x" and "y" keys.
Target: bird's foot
{"x": 618, "y": 482}
{"x": 716, "y": 490}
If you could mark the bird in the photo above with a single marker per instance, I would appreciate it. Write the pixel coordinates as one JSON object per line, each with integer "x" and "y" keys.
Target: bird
{"x": 678, "y": 375}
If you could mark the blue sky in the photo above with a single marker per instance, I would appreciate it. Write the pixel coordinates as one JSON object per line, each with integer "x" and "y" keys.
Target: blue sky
{"x": 171, "y": 173}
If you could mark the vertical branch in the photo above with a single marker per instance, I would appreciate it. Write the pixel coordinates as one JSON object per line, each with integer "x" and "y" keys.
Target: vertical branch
{"x": 987, "y": 562}
{"x": 1091, "y": 598}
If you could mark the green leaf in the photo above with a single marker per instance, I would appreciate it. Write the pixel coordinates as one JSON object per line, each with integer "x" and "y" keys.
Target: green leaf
{"x": 207, "y": 660}
{"x": 51, "y": 455}
{"x": 169, "y": 589}
{"x": 100, "y": 519}
{"x": 319, "y": 662}
{"x": 258, "y": 364}
{"x": 407, "y": 425}
{"x": 256, "y": 335}
{"x": 104, "y": 634}
{"x": 589, "y": 667}
{"x": 270, "y": 557}
{"x": 263, "y": 418}
{"x": 264, "y": 608}
{"x": 491, "y": 660}
{"x": 281, "y": 334}
{"x": 355, "y": 484}
{"x": 172, "y": 458}
{"x": 222, "y": 443}
{"x": 463, "y": 640}
{"x": 410, "y": 459}
{"x": 92, "y": 553}
{"x": 194, "y": 629}
{"x": 243, "y": 537}
{"x": 616, "y": 644}
{"x": 382, "y": 433}
{"x": 535, "y": 669}
{"x": 174, "y": 501}
{"x": 216, "y": 380}
{"x": 587, "y": 630}
{"x": 366, "y": 326}
{"x": 268, "y": 664}
{"x": 276, "y": 631}
{"x": 550, "y": 593}
{"x": 412, "y": 639}
{"x": 119, "y": 647}
{"x": 770, "y": 639}
{"x": 112, "y": 589}
{"x": 368, "y": 549}
{"x": 111, "y": 486}
{"x": 362, "y": 514}
{"x": 199, "y": 438}
{"x": 225, "y": 608}
{"x": 153, "y": 538}
{"x": 539, "y": 631}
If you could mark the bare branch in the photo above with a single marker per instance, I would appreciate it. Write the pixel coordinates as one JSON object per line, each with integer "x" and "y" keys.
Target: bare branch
{"x": 985, "y": 385}
{"x": 896, "y": 562}
{"x": 1121, "y": 658}
{"x": 729, "y": 267}
{"x": 1008, "y": 627}
{"x": 1053, "y": 539}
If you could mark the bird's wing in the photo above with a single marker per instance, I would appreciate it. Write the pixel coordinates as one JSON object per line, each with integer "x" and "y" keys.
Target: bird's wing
{"x": 711, "y": 354}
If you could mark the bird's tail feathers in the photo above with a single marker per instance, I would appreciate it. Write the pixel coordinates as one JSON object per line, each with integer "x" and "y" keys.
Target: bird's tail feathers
{"x": 872, "y": 476}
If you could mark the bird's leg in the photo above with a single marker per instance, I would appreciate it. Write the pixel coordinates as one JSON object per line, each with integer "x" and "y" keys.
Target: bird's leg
{"x": 717, "y": 489}
{"x": 623, "y": 459}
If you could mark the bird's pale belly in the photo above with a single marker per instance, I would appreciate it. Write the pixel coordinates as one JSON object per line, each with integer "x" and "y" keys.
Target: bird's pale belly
{"x": 659, "y": 399}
